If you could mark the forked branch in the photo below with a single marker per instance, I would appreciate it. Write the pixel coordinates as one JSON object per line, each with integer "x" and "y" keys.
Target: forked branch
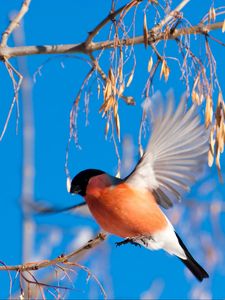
{"x": 63, "y": 258}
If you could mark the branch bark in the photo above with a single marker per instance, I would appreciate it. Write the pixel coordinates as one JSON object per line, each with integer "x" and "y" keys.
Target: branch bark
{"x": 31, "y": 266}
{"x": 15, "y": 22}
{"x": 110, "y": 17}
{"x": 8, "y": 52}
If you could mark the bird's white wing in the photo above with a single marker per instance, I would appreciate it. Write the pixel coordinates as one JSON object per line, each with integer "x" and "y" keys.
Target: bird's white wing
{"x": 175, "y": 154}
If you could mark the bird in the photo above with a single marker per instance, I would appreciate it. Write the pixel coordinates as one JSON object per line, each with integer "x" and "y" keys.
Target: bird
{"x": 134, "y": 207}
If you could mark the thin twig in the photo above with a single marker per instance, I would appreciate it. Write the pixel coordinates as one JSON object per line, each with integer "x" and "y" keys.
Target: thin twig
{"x": 16, "y": 86}
{"x": 98, "y": 68}
{"x": 90, "y": 274}
{"x": 38, "y": 283}
{"x": 15, "y": 22}
{"x": 169, "y": 16}
{"x": 105, "y": 21}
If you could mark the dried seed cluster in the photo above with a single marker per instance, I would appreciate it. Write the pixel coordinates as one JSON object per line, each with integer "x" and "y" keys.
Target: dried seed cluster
{"x": 110, "y": 96}
{"x": 165, "y": 70}
{"x": 217, "y": 132}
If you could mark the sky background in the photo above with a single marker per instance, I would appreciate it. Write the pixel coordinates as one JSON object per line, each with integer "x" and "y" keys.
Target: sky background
{"x": 125, "y": 272}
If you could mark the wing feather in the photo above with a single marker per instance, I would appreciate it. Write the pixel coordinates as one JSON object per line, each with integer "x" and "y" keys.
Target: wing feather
{"x": 175, "y": 154}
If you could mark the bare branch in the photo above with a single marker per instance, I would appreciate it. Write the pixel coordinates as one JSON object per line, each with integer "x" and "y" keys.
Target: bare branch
{"x": 42, "y": 49}
{"x": 98, "y": 68}
{"x": 9, "y": 52}
{"x": 105, "y": 21}
{"x": 90, "y": 274}
{"x": 16, "y": 87}
{"x": 60, "y": 259}
{"x": 15, "y": 22}
{"x": 168, "y": 17}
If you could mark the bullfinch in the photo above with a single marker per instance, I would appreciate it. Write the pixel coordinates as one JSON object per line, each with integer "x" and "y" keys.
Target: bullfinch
{"x": 131, "y": 207}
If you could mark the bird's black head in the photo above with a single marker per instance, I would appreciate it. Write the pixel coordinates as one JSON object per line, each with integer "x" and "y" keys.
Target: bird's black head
{"x": 80, "y": 181}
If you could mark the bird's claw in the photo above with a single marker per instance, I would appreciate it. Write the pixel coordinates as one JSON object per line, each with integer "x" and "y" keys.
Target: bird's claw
{"x": 126, "y": 241}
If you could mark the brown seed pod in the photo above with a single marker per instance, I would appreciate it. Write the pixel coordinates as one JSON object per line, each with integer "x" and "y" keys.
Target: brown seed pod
{"x": 130, "y": 78}
{"x": 145, "y": 31}
{"x": 208, "y": 111}
{"x": 223, "y": 27}
{"x": 212, "y": 14}
{"x": 150, "y": 64}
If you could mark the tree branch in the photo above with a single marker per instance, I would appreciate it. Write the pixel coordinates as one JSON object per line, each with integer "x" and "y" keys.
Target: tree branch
{"x": 60, "y": 259}
{"x": 8, "y": 52}
{"x": 168, "y": 17}
{"x": 15, "y": 22}
{"x": 109, "y": 18}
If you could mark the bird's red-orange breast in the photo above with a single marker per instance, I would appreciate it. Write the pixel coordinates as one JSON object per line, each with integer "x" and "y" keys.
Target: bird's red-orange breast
{"x": 122, "y": 210}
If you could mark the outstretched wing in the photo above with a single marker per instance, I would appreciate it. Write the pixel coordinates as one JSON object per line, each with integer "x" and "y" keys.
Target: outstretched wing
{"x": 175, "y": 153}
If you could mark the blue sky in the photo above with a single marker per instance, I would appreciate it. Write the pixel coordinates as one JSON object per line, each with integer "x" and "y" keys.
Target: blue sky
{"x": 126, "y": 272}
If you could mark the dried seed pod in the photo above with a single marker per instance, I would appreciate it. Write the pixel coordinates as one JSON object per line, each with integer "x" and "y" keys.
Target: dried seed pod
{"x": 221, "y": 135}
{"x": 107, "y": 128}
{"x": 211, "y": 147}
{"x": 106, "y": 106}
{"x": 120, "y": 70}
{"x": 145, "y": 31}
{"x": 196, "y": 81}
{"x": 208, "y": 111}
{"x": 219, "y": 109}
{"x": 150, "y": 64}
{"x": 165, "y": 71}
{"x": 121, "y": 90}
{"x": 210, "y": 158}
{"x": 218, "y": 160}
{"x": 212, "y": 140}
{"x": 113, "y": 81}
{"x": 224, "y": 132}
{"x": 220, "y": 100}
{"x": 111, "y": 76}
{"x": 162, "y": 69}
{"x": 108, "y": 89}
{"x": 117, "y": 121}
{"x": 130, "y": 78}
{"x": 219, "y": 138}
{"x": 129, "y": 100}
{"x": 115, "y": 109}
{"x": 195, "y": 97}
{"x": 102, "y": 109}
{"x": 221, "y": 143}
{"x": 212, "y": 14}
{"x": 223, "y": 27}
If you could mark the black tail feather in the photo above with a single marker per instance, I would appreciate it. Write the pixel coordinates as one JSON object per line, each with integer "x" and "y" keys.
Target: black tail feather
{"x": 191, "y": 263}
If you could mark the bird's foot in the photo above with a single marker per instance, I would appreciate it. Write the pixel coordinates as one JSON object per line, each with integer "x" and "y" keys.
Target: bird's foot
{"x": 126, "y": 241}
